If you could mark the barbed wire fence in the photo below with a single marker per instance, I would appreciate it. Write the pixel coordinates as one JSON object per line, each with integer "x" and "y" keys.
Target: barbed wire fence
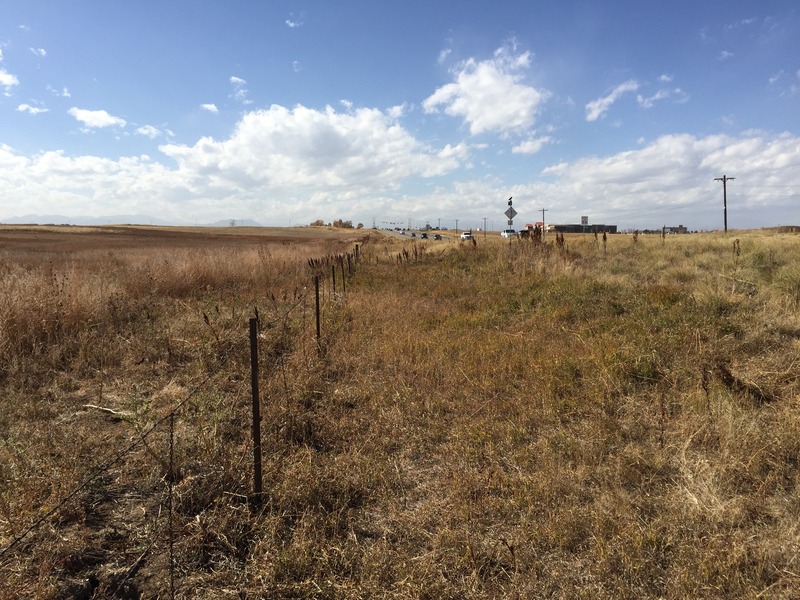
{"x": 324, "y": 271}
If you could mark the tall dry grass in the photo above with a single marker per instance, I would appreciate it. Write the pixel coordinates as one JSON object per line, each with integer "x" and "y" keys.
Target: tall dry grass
{"x": 499, "y": 420}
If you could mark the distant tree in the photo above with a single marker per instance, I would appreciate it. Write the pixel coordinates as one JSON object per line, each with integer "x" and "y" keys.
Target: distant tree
{"x": 360, "y": 226}
{"x": 318, "y": 223}
{"x": 343, "y": 224}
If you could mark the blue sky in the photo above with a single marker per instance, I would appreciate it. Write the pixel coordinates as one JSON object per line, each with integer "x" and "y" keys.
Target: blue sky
{"x": 407, "y": 112}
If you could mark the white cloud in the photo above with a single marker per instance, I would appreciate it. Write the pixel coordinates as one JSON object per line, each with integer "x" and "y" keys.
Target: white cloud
{"x": 443, "y": 56}
{"x": 63, "y": 92}
{"x": 239, "y": 89}
{"x": 8, "y": 81}
{"x": 531, "y": 146}
{"x": 665, "y": 78}
{"x": 489, "y": 95}
{"x": 304, "y": 164}
{"x": 210, "y": 107}
{"x": 279, "y": 148}
{"x": 724, "y": 55}
{"x": 396, "y": 112}
{"x": 297, "y": 66}
{"x": 775, "y": 78}
{"x": 33, "y": 110}
{"x": 295, "y": 21}
{"x": 648, "y": 102}
{"x": 149, "y": 131}
{"x": 596, "y": 108}
{"x": 96, "y": 118}
{"x": 671, "y": 179}
{"x": 40, "y": 52}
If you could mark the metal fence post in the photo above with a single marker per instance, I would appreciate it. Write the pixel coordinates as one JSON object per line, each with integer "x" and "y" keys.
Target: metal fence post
{"x": 257, "y": 481}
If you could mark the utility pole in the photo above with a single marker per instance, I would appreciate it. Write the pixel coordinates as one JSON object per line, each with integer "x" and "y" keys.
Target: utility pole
{"x": 484, "y": 226}
{"x": 725, "y": 179}
{"x": 544, "y": 210}
{"x": 456, "y": 226}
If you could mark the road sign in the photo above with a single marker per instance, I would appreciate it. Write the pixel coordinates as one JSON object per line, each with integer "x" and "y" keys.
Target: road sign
{"x": 511, "y": 221}
{"x": 511, "y": 213}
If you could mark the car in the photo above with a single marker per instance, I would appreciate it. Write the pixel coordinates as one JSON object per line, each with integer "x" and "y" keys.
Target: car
{"x": 436, "y": 236}
{"x": 424, "y": 236}
{"x": 466, "y": 235}
{"x": 508, "y": 233}
{"x": 413, "y": 234}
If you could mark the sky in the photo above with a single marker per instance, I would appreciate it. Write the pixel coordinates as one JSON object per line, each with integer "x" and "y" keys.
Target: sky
{"x": 402, "y": 113}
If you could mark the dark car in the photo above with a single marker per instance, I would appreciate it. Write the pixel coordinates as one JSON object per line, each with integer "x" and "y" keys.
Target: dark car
{"x": 424, "y": 236}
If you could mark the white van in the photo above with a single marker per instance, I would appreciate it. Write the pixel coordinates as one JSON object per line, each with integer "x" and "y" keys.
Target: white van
{"x": 507, "y": 233}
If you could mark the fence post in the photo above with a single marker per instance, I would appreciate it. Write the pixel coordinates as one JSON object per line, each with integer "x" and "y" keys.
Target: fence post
{"x": 333, "y": 279}
{"x": 344, "y": 285}
{"x": 316, "y": 294}
{"x": 257, "y": 483}
{"x": 171, "y": 484}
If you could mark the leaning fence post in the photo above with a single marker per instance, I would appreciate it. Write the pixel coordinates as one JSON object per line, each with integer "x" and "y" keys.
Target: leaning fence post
{"x": 257, "y": 483}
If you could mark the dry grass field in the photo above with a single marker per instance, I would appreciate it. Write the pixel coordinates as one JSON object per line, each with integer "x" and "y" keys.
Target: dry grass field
{"x": 499, "y": 420}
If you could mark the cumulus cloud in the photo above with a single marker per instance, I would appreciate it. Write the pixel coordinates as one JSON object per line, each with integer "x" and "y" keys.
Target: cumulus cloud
{"x": 531, "y": 146}
{"x": 149, "y": 131}
{"x": 489, "y": 95}
{"x": 282, "y": 148}
{"x": 671, "y": 177}
{"x": 210, "y": 107}
{"x": 94, "y": 119}
{"x": 303, "y": 163}
{"x": 33, "y": 110}
{"x": 597, "y": 108}
{"x": 8, "y": 81}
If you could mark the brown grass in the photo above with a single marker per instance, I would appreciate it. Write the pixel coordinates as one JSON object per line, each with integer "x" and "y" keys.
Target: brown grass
{"x": 500, "y": 420}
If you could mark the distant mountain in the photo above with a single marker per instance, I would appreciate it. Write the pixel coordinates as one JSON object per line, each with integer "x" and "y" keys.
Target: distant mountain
{"x": 118, "y": 220}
